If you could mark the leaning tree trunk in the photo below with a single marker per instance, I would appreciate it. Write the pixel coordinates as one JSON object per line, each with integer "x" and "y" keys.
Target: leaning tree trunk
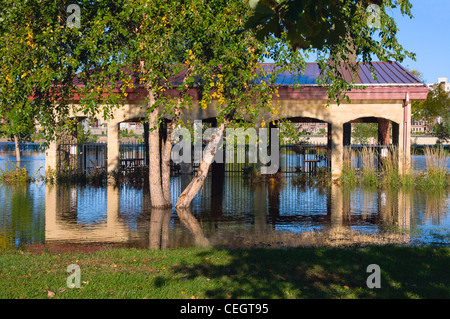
{"x": 194, "y": 186}
{"x": 17, "y": 148}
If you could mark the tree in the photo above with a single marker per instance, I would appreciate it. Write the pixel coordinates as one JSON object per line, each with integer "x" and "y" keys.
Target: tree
{"x": 20, "y": 125}
{"x": 436, "y": 105}
{"x": 363, "y": 132}
{"x": 442, "y": 129}
{"x": 123, "y": 48}
{"x": 339, "y": 31}
{"x": 336, "y": 29}
{"x": 162, "y": 49}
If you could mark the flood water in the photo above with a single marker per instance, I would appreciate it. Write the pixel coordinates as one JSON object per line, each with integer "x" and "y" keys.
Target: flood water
{"x": 227, "y": 212}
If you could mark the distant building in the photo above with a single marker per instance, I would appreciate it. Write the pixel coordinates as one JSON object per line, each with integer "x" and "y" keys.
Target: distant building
{"x": 422, "y": 126}
{"x": 442, "y": 81}
{"x": 312, "y": 128}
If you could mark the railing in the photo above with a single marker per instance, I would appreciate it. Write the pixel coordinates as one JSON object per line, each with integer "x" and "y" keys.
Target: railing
{"x": 293, "y": 158}
{"x": 303, "y": 158}
{"x": 132, "y": 151}
{"x": 24, "y": 146}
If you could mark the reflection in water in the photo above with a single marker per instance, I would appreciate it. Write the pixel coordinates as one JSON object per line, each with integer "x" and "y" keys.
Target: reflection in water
{"x": 99, "y": 222}
{"x": 21, "y": 222}
{"x": 257, "y": 215}
{"x": 227, "y": 211}
{"x": 159, "y": 228}
{"x": 192, "y": 224}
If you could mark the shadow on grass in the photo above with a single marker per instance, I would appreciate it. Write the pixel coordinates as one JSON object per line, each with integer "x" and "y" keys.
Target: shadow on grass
{"x": 422, "y": 272}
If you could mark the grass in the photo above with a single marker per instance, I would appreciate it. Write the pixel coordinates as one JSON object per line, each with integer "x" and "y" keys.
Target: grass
{"x": 436, "y": 159}
{"x": 297, "y": 273}
{"x": 388, "y": 174}
{"x": 14, "y": 174}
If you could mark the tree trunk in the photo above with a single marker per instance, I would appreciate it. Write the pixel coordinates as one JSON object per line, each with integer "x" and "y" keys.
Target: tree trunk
{"x": 165, "y": 169}
{"x": 156, "y": 191}
{"x": 166, "y": 156}
{"x": 17, "y": 148}
{"x": 194, "y": 186}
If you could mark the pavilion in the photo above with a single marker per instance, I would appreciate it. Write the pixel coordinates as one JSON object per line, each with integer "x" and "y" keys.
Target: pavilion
{"x": 385, "y": 100}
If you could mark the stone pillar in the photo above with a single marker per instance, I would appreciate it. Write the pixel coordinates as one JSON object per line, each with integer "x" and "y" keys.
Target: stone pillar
{"x": 336, "y": 146}
{"x": 51, "y": 157}
{"x": 383, "y": 131}
{"x": 113, "y": 147}
{"x": 260, "y": 212}
{"x": 404, "y": 143}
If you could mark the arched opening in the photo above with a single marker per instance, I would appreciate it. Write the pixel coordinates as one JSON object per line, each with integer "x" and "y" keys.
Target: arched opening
{"x": 371, "y": 131}
{"x": 370, "y": 141}
{"x": 305, "y": 145}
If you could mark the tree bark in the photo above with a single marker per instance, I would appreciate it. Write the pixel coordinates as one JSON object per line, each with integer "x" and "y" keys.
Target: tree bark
{"x": 17, "y": 148}
{"x": 194, "y": 186}
{"x": 156, "y": 191}
{"x": 166, "y": 156}
{"x": 165, "y": 169}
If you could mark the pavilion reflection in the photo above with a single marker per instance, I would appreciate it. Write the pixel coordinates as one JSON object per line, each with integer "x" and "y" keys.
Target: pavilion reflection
{"x": 63, "y": 222}
{"x": 262, "y": 213}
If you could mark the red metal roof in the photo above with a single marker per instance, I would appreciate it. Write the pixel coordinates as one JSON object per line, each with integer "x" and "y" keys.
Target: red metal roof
{"x": 392, "y": 82}
{"x": 387, "y": 73}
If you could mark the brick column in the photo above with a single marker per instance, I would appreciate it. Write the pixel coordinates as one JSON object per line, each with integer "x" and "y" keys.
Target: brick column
{"x": 383, "y": 131}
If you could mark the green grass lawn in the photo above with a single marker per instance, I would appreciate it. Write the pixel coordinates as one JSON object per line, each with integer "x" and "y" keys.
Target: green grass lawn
{"x": 422, "y": 272}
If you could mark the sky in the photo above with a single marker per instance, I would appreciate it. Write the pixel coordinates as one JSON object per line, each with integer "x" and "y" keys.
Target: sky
{"x": 428, "y": 36}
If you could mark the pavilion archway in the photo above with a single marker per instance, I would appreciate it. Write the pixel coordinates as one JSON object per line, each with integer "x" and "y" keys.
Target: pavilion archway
{"x": 385, "y": 142}
{"x": 304, "y": 155}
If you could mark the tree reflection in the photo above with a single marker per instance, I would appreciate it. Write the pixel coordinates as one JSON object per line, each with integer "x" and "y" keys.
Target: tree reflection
{"x": 19, "y": 225}
{"x": 159, "y": 228}
{"x": 191, "y": 223}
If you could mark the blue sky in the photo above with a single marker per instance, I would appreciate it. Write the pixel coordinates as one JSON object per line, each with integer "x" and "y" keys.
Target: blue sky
{"x": 427, "y": 35}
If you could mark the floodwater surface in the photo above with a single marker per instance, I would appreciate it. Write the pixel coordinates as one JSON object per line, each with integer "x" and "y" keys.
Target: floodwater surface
{"x": 228, "y": 211}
